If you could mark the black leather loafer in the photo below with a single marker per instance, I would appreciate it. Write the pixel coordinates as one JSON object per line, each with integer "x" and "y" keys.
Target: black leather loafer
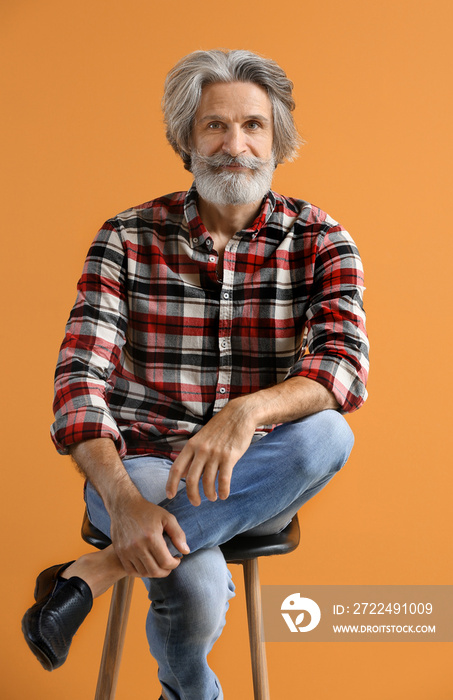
{"x": 51, "y": 623}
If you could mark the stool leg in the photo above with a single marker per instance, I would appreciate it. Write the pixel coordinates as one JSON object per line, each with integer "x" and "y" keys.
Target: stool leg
{"x": 256, "y": 635}
{"x": 114, "y": 639}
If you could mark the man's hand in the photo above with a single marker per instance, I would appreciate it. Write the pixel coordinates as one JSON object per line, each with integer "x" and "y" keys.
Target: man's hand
{"x": 137, "y": 528}
{"x": 212, "y": 454}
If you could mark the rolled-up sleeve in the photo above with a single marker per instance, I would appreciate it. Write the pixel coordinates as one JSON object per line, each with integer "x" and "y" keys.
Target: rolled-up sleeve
{"x": 95, "y": 334}
{"x": 335, "y": 351}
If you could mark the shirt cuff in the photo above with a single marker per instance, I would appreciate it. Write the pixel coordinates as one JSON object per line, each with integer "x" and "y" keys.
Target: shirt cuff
{"x": 87, "y": 423}
{"x": 345, "y": 382}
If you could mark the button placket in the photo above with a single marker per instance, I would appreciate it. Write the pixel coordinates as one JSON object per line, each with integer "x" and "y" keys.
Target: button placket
{"x": 225, "y": 325}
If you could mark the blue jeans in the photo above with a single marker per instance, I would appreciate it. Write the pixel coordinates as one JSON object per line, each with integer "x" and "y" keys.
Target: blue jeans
{"x": 273, "y": 479}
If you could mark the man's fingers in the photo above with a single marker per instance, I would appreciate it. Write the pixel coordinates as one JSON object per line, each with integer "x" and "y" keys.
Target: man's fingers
{"x": 209, "y": 481}
{"x": 177, "y": 471}
{"x": 224, "y": 479}
{"x": 150, "y": 569}
{"x": 209, "y": 473}
{"x": 176, "y": 534}
{"x": 191, "y": 465}
{"x": 153, "y": 561}
{"x": 193, "y": 482}
{"x": 204, "y": 468}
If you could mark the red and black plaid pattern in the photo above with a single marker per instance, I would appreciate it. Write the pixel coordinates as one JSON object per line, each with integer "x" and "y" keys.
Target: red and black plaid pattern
{"x": 156, "y": 343}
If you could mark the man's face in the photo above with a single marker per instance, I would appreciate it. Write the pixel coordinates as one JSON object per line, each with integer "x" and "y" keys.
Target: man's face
{"x": 232, "y": 159}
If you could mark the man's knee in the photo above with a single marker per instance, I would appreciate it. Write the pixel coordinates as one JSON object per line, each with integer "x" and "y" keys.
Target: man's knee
{"x": 196, "y": 594}
{"x": 322, "y": 440}
{"x": 337, "y": 435}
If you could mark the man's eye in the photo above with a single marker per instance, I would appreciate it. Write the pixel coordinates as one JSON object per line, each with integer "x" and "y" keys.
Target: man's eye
{"x": 253, "y": 126}
{"x": 214, "y": 125}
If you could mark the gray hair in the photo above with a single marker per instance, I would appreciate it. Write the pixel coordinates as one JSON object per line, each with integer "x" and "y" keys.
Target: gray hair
{"x": 184, "y": 83}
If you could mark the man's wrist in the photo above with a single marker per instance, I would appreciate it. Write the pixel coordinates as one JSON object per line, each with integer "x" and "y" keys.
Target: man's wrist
{"x": 120, "y": 494}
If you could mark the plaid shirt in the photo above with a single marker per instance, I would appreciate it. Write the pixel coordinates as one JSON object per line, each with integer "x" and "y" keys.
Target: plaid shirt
{"x": 156, "y": 343}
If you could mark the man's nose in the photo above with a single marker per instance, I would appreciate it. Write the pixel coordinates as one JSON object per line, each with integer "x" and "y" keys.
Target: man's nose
{"x": 234, "y": 141}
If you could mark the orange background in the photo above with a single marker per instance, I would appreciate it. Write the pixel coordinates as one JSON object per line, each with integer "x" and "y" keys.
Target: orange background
{"x": 82, "y": 140}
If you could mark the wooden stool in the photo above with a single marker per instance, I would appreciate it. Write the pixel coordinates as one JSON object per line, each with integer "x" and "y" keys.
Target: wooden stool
{"x": 239, "y": 550}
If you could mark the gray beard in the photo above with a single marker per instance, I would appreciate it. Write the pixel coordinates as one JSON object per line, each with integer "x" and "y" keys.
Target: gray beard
{"x": 225, "y": 187}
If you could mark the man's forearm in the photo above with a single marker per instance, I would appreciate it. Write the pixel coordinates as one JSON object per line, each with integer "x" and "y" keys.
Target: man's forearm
{"x": 292, "y": 399}
{"x": 100, "y": 462}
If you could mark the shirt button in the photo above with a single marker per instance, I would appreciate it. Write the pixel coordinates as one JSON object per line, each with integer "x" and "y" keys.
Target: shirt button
{"x": 226, "y": 295}
{"x": 212, "y": 258}
{"x": 209, "y": 242}
{"x": 222, "y": 390}
{"x": 195, "y": 240}
{"x": 224, "y": 344}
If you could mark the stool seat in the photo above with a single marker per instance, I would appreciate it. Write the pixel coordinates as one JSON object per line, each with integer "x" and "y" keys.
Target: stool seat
{"x": 243, "y": 549}
{"x": 235, "y": 551}
{"x": 92, "y": 535}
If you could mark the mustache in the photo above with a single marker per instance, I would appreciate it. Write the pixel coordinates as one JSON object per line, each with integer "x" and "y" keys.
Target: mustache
{"x": 220, "y": 159}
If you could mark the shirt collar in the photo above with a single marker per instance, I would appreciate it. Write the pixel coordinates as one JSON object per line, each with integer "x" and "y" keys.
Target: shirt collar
{"x": 197, "y": 230}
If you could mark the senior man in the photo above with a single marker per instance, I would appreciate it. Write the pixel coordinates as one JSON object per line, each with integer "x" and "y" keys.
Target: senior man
{"x": 217, "y": 337}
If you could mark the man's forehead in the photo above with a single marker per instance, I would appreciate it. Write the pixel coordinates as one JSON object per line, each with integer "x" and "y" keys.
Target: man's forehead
{"x": 247, "y": 100}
